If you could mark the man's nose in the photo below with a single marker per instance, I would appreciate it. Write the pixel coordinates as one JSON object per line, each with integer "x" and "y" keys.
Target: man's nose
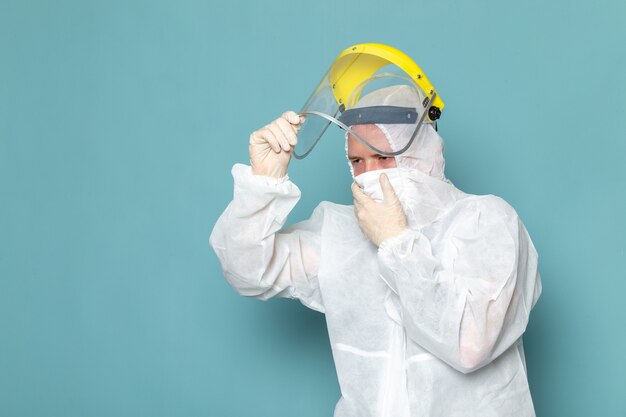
{"x": 372, "y": 165}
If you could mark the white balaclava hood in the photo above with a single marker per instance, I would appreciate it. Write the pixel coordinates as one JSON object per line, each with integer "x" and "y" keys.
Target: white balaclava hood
{"x": 419, "y": 179}
{"x": 426, "y": 152}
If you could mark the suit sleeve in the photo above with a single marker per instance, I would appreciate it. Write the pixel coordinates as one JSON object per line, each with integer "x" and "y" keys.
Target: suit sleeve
{"x": 469, "y": 300}
{"x": 258, "y": 258}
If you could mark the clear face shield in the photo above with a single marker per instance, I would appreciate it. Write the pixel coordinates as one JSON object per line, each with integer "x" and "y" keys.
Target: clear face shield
{"x": 368, "y": 84}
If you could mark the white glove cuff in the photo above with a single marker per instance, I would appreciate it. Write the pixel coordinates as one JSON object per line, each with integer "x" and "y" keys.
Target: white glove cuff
{"x": 242, "y": 171}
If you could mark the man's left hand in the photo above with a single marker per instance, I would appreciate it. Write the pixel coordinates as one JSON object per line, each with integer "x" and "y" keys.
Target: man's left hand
{"x": 379, "y": 221}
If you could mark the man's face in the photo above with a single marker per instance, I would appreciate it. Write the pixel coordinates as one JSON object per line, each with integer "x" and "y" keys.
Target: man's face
{"x": 362, "y": 158}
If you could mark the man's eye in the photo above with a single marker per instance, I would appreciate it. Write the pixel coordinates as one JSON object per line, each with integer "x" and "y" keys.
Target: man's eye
{"x": 383, "y": 158}
{"x": 355, "y": 161}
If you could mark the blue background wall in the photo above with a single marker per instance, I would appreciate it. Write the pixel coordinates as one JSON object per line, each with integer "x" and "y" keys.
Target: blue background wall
{"x": 120, "y": 120}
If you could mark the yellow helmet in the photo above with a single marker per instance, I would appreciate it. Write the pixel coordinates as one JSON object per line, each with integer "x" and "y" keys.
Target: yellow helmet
{"x": 361, "y": 70}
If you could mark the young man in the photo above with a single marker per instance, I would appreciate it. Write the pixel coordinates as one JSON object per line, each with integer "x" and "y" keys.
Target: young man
{"x": 427, "y": 290}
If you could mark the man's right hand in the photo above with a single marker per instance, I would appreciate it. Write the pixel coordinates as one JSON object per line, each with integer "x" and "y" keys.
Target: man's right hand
{"x": 271, "y": 146}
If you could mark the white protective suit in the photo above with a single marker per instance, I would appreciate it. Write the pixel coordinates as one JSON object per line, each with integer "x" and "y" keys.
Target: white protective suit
{"x": 430, "y": 323}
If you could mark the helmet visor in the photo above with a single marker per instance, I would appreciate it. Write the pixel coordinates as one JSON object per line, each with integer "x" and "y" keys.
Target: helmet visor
{"x": 388, "y": 96}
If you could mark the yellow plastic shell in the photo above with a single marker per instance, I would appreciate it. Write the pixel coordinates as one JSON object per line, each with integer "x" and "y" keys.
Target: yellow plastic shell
{"x": 345, "y": 77}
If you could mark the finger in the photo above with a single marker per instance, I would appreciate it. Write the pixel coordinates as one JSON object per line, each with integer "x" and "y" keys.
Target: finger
{"x": 254, "y": 138}
{"x": 389, "y": 194}
{"x": 292, "y": 117}
{"x": 357, "y": 210}
{"x": 270, "y": 138}
{"x": 288, "y": 130}
{"x": 280, "y": 136}
{"x": 295, "y": 119}
{"x": 359, "y": 196}
{"x": 357, "y": 206}
{"x": 258, "y": 138}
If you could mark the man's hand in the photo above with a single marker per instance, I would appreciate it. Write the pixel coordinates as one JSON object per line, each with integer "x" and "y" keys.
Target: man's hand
{"x": 379, "y": 221}
{"x": 270, "y": 147}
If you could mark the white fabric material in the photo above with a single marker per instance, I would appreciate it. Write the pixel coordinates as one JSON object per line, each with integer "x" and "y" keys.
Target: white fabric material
{"x": 423, "y": 198}
{"x": 430, "y": 323}
{"x": 460, "y": 289}
{"x": 425, "y": 153}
